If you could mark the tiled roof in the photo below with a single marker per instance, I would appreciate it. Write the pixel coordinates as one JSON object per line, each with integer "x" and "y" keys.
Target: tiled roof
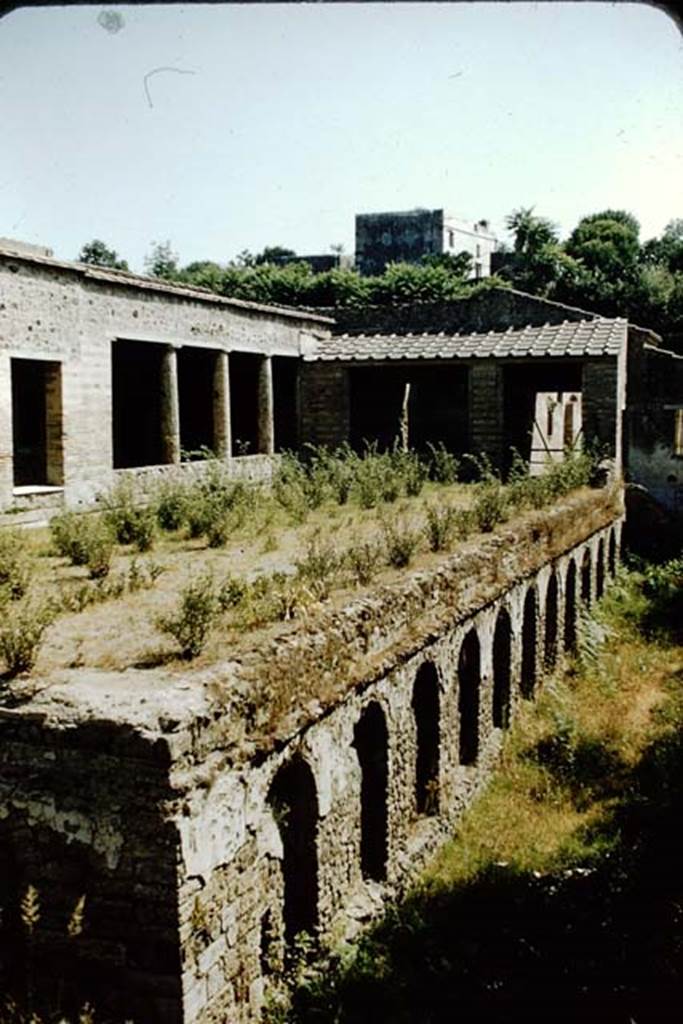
{"x": 599, "y": 337}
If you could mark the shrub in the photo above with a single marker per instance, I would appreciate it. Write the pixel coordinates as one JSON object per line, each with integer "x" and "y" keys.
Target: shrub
{"x": 443, "y": 465}
{"x": 69, "y": 537}
{"x": 194, "y": 617}
{"x": 414, "y": 472}
{"x": 490, "y": 505}
{"x": 21, "y": 634}
{"x": 340, "y": 473}
{"x": 99, "y": 546}
{"x": 402, "y": 541}
{"x": 121, "y": 510}
{"x": 319, "y": 566}
{"x": 84, "y": 540}
{"x": 441, "y": 527}
{"x": 172, "y": 505}
{"x": 364, "y": 560}
{"x": 15, "y": 564}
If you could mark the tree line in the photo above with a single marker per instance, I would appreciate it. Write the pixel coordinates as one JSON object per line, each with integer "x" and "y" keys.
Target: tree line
{"x": 602, "y": 266}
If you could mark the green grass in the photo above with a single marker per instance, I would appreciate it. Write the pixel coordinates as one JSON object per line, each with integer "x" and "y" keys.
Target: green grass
{"x": 560, "y": 896}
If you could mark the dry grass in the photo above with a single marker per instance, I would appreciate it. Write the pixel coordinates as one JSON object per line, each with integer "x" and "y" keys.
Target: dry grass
{"x": 120, "y": 632}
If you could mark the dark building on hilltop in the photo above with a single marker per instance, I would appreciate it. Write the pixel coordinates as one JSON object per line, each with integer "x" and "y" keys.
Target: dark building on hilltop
{"x": 408, "y": 236}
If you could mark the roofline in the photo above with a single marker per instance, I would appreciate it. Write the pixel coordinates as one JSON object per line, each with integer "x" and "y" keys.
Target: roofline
{"x": 319, "y": 356}
{"x": 128, "y": 279}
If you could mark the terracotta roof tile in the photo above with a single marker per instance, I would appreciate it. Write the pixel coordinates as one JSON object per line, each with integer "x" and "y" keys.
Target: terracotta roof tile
{"x": 598, "y": 337}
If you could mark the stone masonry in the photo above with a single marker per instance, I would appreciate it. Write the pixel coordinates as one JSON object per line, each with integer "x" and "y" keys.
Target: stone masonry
{"x": 208, "y": 816}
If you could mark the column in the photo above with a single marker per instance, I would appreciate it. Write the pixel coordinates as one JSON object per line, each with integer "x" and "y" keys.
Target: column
{"x": 266, "y": 426}
{"x": 486, "y": 411}
{"x": 170, "y": 418}
{"x": 222, "y": 432}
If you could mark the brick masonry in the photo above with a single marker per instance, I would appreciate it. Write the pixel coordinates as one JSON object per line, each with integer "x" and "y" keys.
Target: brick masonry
{"x": 70, "y": 315}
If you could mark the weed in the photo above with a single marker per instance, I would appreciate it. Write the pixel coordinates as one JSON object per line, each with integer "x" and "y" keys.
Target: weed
{"x": 194, "y": 617}
{"x": 401, "y": 538}
{"x": 443, "y": 465}
{"x": 69, "y": 537}
{"x": 442, "y": 526}
{"x": 490, "y": 505}
{"x": 99, "y": 544}
{"x": 21, "y": 634}
{"x": 319, "y": 566}
{"x": 172, "y": 505}
{"x": 15, "y": 565}
{"x": 120, "y": 505}
{"x": 364, "y": 560}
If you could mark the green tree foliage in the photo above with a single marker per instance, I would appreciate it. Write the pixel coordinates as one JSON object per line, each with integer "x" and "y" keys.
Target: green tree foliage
{"x": 162, "y": 261}
{"x": 296, "y": 284}
{"x": 602, "y": 267}
{"x": 97, "y": 254}
{"x": 277, "y": 254}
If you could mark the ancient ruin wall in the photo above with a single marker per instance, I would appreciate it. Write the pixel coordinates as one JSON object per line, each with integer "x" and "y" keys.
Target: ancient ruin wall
{"x": 208, "y": 816}
{"x": 70, "y": 315}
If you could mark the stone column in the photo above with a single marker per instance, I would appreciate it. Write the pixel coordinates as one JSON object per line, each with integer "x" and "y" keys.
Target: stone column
{"x": 266, "y": 425}
{"x": 486, "y": 410}
{"x": 222, "y": 432}
{"x": 170, "y": 415}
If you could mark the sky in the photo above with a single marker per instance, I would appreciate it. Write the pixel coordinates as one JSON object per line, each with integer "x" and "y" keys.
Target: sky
{"x": 223, "y": 128}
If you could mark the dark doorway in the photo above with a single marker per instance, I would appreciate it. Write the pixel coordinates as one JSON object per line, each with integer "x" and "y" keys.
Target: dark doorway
{"x": 136, "y": 403}
{"x": 528, "y": 680}
{"x": 37, "y": 422}
{"x": 436, "y": 406}
{"x": 285, "y": 402}
{"x": 502, "y": 670}
{"x": 550, "y": 644}
{"x": 469, "y": 677}
{"x": 426, "y": 711}
{"x": 244, "y": 388}
{"x": 294, "y": 801}
{"x": 600, "y": 571}
{"x": 521, "y": 383}
{"x": 570, "y": 608}
{"x": 196, "y": 368}
{"x": 371, "y": 743}
{"x": 586, "y": 579}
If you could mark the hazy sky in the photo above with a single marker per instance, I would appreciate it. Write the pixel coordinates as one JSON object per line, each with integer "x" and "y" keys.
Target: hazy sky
{"x": 277, "y": 123}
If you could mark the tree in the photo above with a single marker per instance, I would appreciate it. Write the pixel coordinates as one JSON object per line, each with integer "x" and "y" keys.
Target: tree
{"x": 530, "y": 232}
{"x": 97, "y": 254}
{"x": 276, "y": 254}
{"x": 667, "y": 250}
{"x": 162, "y": 261}
{"x": 607, "y": 243}
{"x": 459, "y": 264}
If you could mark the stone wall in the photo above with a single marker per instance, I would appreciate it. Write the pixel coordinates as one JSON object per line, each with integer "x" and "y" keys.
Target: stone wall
{"x": 207, "y": 815}
{"x": 70, "y": 315}
{"x": 491, "y": 309}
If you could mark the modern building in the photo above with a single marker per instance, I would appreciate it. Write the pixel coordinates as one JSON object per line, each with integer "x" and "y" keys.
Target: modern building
{"x": 407, "y": 236}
